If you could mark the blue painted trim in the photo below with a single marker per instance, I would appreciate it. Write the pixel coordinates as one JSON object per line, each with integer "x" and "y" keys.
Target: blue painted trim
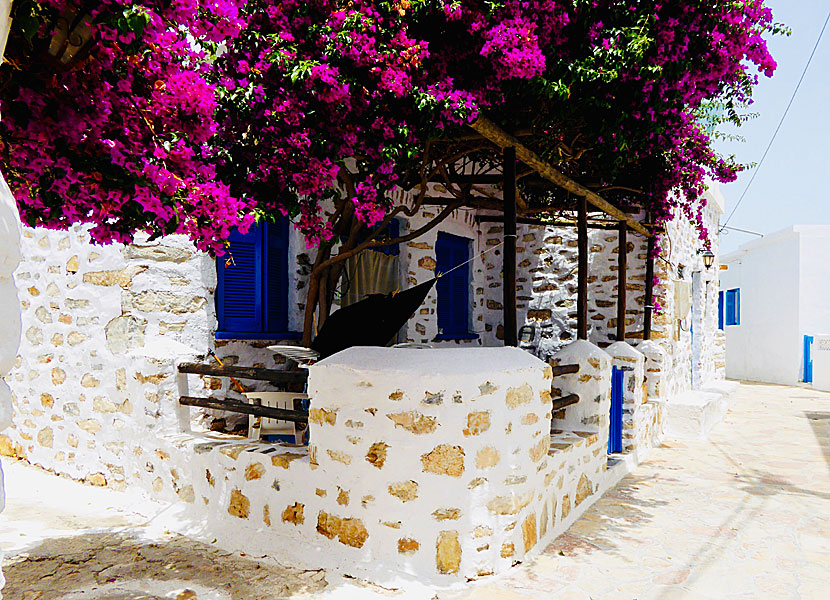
{"x": 615, "y": 421}
{"x": 279, "y": 336}
{"x": 733, "y": 307}
{"x": 808, "y": 359}
{"x": 456, "y": 336}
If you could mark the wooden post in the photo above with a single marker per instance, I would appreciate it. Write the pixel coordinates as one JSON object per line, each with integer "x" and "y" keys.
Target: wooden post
{"x": 511, "y": 327}
{"x": 649, "y": 299}
{"x": 621, "y": 281}
{"x": 582, "y": 285}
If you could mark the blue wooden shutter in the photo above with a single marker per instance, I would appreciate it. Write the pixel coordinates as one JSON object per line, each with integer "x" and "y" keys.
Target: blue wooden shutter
{"x": 730, "y": 307}
{"x": 239, "y": 283}
{"x": 720, "y": 310}
{"x": 275, "y": 273}
{"x": 453, "y": 288}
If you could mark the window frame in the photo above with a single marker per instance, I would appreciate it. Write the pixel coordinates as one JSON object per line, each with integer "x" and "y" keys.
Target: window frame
{"x": 268, "y": 239}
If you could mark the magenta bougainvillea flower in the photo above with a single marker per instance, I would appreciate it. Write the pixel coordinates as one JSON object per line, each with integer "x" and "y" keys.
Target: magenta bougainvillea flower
{"x": 197, "y": 116}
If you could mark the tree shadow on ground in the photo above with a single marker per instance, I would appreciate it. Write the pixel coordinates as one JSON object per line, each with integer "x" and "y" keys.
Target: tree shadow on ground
{"x": 123, "y": 566}
{"x": 820, "y": 422}
{"x": 618, "y": 510}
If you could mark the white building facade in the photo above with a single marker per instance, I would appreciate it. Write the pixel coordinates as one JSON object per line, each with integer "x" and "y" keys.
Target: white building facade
{"x": 95, "y": 388}
{"x": 775, "y": 292}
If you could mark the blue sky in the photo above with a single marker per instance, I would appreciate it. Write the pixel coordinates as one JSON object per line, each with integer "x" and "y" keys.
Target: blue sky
{"x": 792, "y": 186}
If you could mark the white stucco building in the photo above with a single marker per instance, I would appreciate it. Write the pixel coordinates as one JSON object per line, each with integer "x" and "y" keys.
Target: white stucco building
{"x": 775, "y": 292}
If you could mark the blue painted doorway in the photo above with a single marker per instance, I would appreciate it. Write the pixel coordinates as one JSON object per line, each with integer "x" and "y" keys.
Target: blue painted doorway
{"x": 615, "y": 423}
{"x": 808, "y": 359}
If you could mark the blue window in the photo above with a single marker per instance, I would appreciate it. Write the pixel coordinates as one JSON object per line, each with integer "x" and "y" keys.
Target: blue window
{"x": 252, "y": 284}
{"x": 720, "y": 310}
{"x": 391, "y": 231}
{"x": 732, "y": 307}
{"x": 453, "y": 287}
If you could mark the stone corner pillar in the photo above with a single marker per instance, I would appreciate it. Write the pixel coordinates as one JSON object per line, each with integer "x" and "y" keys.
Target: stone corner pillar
{"x": 592, "y": 383}
{"x": 447, "y": 447}
{"x": 628, "y": 358}
{"x": 632, "y": 362}
{"x": 656, "y": 360}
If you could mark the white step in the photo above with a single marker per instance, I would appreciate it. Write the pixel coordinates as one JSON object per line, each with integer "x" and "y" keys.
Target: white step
{"x": 692, "y": 414}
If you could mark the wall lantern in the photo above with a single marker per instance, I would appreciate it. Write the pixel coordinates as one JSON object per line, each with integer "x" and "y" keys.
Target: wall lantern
{"x": 70, "y": 41}
{"x": 708, "y": 258}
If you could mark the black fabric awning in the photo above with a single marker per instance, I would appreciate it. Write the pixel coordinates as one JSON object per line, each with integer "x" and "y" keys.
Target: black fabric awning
{"x": 373, "y": 321}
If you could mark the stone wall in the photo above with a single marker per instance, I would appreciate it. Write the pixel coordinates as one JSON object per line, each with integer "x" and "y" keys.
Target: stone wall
{"x": 439, "y": 465}
{"x": 103, "y": 330}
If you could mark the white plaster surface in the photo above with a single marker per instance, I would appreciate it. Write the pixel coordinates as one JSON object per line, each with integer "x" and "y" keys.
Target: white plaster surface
{"x": 693, "y": 414}
{"x": 820, "y": 354}
{"x": 10, "y": 321}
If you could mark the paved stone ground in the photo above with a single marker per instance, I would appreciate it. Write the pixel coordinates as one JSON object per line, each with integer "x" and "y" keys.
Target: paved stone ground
{"x": 744, "y": 515}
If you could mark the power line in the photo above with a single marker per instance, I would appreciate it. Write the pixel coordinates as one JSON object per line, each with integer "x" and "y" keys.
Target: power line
{"x": 781, "y": 122}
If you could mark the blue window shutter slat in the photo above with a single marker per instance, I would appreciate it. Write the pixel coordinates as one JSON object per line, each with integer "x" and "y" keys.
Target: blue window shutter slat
{"x": 275, "y": 274}
{"x": 720, "y": 310}
{"x": 730, "y": 307}
{"x": 443, "y": 287}
{"x": 239, "y": 284}
{"x": 460, "y": 308}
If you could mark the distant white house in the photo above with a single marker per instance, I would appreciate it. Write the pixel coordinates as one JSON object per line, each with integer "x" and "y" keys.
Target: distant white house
{"x": 774, "y": 302}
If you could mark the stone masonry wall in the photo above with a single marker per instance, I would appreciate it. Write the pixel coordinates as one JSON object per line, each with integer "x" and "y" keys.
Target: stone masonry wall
{"x": 438, "y": 465}
{"x": 546, "y": 294}
{"x": 103, "y": 329}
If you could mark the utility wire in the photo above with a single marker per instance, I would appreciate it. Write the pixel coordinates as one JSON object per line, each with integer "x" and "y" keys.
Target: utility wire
{"x": 781, "y": 122}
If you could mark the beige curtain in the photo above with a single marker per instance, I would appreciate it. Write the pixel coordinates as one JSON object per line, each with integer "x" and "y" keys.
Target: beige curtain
{"x": 682, "y": 298}
{"x": 369, "y": 272}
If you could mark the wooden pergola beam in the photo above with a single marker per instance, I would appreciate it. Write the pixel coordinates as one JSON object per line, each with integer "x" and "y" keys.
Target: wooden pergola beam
{"x": 502, "y": 139}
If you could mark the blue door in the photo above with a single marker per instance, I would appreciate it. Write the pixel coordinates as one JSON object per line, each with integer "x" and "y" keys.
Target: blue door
{"x": 808, "y": 359}
{"x": 615, "y": 428}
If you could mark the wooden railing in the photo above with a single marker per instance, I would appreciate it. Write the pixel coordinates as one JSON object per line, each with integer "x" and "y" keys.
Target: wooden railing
{"x": 254, "y": 373}
{"x": 560, "y": 403}
{"x": 284, "y": 377}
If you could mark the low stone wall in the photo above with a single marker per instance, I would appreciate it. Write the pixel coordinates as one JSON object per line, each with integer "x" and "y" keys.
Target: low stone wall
{"x": 434, "y": 464}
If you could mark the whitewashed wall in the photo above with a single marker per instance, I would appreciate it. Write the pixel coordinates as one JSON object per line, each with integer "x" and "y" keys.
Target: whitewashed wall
{"x": 103, "y": 325}
{"x": 783, "y": 279}
{"x": 10, "y": 320}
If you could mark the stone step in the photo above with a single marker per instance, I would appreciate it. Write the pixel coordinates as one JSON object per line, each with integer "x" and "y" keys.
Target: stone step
{"x": 693, "y": 414}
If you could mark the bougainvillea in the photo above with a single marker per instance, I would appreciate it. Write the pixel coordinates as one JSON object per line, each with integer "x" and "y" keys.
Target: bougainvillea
{"x": 193, "y": 116}
{"x": 108, "y": 115}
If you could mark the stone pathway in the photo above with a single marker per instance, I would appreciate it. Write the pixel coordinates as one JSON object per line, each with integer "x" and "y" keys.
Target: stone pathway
{"x": 744, "y": 515}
